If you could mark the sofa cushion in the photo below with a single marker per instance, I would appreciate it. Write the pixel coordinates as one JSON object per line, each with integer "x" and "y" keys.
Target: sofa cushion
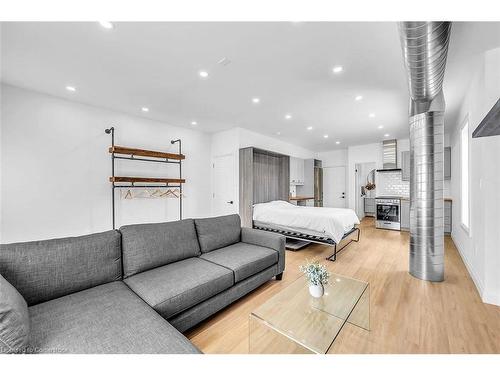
{"x": 217, "y": 232}
{"x": 271, "y": 240}
{"x": 43, "y": 270}
{"x": 108, "y": 318}
{"x": 146, "y": 246}
{"x": 189, "y": 318}
{"x": 244, "y": 259}
{"x": 178, "y": 286}
{"x": 14, "y": 319}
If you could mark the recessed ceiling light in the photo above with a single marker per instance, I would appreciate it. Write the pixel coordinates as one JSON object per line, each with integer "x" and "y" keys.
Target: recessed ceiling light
{"x": 337, "y": 143}
{"x": 278, "y": 133}
{"x": 71, "y": 88}
{"x": 203, "y": 74}
{"x": 386, "y": 134}
{"x": 256, "y": 100}
{"x": 371, "y": 115}
{"x": 358, "y": 98}
{"x": 325, "y": 136}
{"x": 194, "y": 123}
{"x": 337, "y": 69}
{"x": 145, "y": 109}
{"x": 309, "y": 128}
{"x": 106, "y": 24}
{"x": 288, "y": 116}
{"x": 380, "y": 126}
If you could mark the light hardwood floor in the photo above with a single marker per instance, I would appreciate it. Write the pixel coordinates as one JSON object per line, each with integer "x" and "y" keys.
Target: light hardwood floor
{"x": 407, "y": 315}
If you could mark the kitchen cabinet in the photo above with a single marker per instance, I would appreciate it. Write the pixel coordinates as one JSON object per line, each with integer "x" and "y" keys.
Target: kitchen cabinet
{"x": 296, "y": 171}
{"x": 405, "y": 214}
{"x": 405, "y": 164}
{"x": 447, "y": 163}
{"x": 370, "y": 207}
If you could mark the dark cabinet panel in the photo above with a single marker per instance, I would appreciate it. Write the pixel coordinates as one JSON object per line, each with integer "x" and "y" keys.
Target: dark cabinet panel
{"x": 405, "y": 214}
{"x": 405, "y": 165}
{"x": 447, "y": 163}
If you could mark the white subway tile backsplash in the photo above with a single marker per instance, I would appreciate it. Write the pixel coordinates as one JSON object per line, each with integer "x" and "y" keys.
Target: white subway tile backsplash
{"x": 390, "y": 183}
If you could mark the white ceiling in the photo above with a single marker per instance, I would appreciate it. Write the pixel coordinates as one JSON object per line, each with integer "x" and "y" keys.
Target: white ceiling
{"x": 287, "y": 65}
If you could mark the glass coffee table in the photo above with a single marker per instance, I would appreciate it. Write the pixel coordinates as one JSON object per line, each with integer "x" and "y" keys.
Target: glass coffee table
{"x": 293, "y": 321}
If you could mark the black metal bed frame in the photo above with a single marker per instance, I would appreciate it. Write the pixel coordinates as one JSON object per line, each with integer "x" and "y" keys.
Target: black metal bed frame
{"x": 316, "y": 239}
{"x": 132, "y": 185}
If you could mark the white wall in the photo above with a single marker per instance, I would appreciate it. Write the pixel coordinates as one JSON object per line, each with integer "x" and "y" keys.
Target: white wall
{"x": 349, "y": 158}
{"x": 334, "y": 158}
{"x": 480, "y": 248}
{"x": 251, "y": 139}
{"x": 360, "y": 154}
{"x": 1, "y": 131}
{"x": 55, "y": 167}
{"x": 225, "y": 142}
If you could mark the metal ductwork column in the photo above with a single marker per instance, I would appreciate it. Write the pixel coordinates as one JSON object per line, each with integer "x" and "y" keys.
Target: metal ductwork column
{"x": 425, "y": 47}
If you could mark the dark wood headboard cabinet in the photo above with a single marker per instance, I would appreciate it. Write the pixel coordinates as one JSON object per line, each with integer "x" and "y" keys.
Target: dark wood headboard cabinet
{"x": 264, "y": 177}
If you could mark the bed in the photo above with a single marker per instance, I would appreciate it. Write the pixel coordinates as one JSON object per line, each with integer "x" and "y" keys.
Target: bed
{"x": 322, "y": 225}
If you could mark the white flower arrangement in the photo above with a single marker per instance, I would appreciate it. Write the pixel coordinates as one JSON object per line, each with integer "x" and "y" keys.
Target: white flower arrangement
{"x": 316, "y": 273}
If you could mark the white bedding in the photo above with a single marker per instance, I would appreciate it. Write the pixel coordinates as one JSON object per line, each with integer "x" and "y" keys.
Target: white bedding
{"x": 334, "y": 222}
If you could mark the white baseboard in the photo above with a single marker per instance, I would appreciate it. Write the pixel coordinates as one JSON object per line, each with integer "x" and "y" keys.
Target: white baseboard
{"x": 492, "y": 299}
{"x": 477, "y": 281}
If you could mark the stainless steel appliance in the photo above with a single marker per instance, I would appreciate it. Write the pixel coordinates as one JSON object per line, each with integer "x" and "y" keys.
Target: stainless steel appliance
{"x": 318, "y": 184}
{"x": 388, "y": 211}
{"x": 390, "y": 156}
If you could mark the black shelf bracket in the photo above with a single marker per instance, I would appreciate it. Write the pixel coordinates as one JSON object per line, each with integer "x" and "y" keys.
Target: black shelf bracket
{"x": 180, "y": 175}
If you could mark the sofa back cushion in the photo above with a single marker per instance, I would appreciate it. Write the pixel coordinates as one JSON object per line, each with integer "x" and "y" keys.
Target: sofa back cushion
{"x": 217, "y": 232}
{"x": 147, "y": 246}
{"x": 44, "y": 270}
{"x": 14, "y": 319}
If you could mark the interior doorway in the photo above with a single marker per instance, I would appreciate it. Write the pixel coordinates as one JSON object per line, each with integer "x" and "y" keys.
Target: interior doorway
{"x": 362, "y": 171}
{"x": 334, "y": 187}
{"x": 224, "y": 200}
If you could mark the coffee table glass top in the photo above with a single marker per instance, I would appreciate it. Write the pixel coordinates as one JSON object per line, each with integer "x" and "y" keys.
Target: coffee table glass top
{"x": 293, "y": 315}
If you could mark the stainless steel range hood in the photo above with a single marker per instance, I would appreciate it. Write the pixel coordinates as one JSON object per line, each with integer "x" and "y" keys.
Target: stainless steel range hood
{"x": 390, "y": 156}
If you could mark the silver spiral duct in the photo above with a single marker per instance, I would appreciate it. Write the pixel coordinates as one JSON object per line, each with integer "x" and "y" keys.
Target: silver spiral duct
{"x": 425, "y": 47}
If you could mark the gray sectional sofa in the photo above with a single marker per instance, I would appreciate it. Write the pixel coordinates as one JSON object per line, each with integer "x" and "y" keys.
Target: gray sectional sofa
{"x": 129, "y": 291}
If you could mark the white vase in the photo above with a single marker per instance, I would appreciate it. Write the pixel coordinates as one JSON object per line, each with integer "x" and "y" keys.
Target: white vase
{"x": 316, "y": 291}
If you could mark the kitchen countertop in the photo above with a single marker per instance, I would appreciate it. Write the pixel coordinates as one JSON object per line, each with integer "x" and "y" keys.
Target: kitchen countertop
{"x": 408, "y": 198}
{"x": 392, "y": 197}
{"x": 447, "y": 199}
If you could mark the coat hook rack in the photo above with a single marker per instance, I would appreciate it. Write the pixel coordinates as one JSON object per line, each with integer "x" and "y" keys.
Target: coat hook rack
{"x": 135, "y": 154}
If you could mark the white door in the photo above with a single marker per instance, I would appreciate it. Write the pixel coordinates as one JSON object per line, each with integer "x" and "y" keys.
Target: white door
{"x": 224, "y": 186}
{"x": 334, "y": 187}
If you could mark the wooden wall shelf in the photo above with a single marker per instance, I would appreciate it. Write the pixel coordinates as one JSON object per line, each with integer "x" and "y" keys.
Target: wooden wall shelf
{"x": 147, "y": 180}
{"x": 139, "y": 152}
{"x": 151, "y": 157}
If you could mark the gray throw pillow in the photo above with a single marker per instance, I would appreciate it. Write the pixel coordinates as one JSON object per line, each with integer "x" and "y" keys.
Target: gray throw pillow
{"x": 14, "y": 319}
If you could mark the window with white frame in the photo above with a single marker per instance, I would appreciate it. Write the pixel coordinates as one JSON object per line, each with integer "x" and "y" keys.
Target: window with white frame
{"x": 464, "y": 174}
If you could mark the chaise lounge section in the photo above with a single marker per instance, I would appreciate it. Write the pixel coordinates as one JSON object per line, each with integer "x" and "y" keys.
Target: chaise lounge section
{"x": 132, "y": 290}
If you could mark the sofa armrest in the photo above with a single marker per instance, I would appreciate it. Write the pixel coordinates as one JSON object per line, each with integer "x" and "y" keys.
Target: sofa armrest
{"x": 266, "y": 239}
